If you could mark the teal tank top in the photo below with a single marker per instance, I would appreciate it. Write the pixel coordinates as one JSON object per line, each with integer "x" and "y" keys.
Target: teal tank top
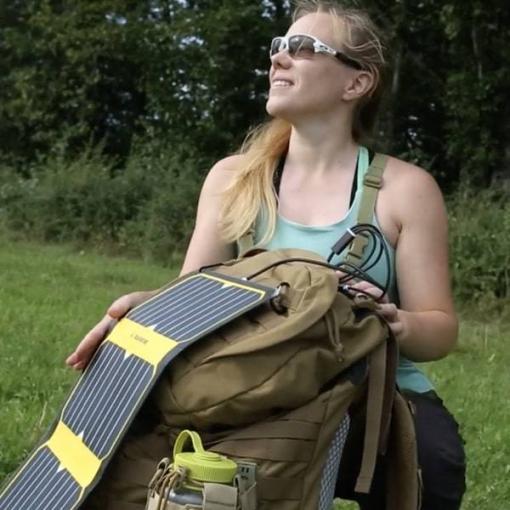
{"x": 320, "y": 239}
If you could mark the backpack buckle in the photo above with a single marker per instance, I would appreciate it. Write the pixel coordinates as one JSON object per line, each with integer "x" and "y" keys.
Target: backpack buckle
{"x": 374, "y": 181}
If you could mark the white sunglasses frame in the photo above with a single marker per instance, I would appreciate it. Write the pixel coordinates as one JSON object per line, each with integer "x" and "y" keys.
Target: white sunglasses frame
{"x": 318, "y": 47}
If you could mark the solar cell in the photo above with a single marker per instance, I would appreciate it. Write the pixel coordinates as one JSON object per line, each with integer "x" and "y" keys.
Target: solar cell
{"x": 62, "y": 471}
{"x": 196, "y": 305}
{"x": 105, "y": 397}
{"x": 30, "y": 490}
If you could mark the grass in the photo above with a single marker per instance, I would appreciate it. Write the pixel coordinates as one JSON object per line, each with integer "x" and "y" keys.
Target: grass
{"x": 51, "y": 295}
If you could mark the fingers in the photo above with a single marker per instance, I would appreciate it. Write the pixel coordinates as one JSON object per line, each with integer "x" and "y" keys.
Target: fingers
{"x": 79, "y": 359}
{"x": 368, "y": 288}
{"x": 389, "y": 311}
{"x": 84, "y": 351}
{"x": 121, "y": 306}
{"x": 396, "y": 328}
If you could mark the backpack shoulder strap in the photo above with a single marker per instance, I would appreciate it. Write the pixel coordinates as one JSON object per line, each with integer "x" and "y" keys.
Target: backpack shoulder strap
{"x": 245, "y": 243}
{"x": 372, "y": 182}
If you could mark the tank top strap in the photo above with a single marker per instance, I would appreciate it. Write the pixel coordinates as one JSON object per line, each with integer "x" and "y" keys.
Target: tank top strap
{"x": 361, "y": 170}
{"x": 364, "y": 163}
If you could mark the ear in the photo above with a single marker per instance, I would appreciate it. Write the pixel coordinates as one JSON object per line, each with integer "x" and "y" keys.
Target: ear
{"x": 356, "y": 87}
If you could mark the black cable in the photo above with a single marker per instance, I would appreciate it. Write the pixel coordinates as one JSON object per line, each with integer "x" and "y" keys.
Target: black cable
{"x": 378, "y": 249}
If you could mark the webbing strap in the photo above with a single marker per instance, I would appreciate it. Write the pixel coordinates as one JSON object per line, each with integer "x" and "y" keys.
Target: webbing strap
{"x": 277, "y": 450}
{"x": 375, "y": 397}
{"x": 248, "y": 498}
{"x": 245, "y": 243}
{"x": 371, "y": 184}
{"x": 278, "y": 429}
{"x": 389, "y": 391}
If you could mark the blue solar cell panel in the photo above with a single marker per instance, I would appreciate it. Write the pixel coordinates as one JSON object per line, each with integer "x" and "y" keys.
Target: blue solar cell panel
{"x": 196, "y": 307}
{"x": 105, "y": 397}
{"x": 31, "y": 490}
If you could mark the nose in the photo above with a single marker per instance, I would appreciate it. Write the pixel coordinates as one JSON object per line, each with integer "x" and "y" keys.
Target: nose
{"x": 282, "y": 59}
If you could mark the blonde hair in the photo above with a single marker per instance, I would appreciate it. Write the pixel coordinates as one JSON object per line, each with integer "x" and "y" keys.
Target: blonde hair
{"x": 252, "y": 188}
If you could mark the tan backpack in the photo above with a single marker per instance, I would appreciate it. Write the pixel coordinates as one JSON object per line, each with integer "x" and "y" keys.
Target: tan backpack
{"x": 274, "y": 388}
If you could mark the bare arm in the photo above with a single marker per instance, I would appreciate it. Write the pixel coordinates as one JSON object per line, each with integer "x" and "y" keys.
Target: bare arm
{"x": 428, "y": 318}
{"x": 426, "y": 324}
{"x": 206, "y": 247}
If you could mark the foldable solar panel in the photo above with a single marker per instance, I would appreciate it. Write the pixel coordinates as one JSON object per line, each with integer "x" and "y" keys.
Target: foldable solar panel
{"x": 69, "y": 462}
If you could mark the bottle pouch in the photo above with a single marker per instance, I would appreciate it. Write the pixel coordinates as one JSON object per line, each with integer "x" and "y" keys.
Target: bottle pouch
{"x": 201, "y": 480}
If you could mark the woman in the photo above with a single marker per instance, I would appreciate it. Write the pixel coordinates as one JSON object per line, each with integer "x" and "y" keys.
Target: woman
{"x": 325, "y": 83}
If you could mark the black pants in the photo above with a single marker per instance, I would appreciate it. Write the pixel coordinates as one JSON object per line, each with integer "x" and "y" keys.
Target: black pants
{"x": 440, "y": 456}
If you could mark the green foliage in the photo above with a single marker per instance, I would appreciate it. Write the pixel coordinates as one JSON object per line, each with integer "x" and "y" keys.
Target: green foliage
{"x": 161, "y": 229}
{"x": 146, "y": 209}
{"x": 480, "y": 246}
{"x": 70, "y": 70}
{"x": 195, "y": 72}
{"x": 476, "y": 109}
{"x": 110, "y": 70}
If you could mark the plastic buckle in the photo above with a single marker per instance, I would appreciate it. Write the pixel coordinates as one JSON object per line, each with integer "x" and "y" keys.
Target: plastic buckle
{"x": 373, "y": 181}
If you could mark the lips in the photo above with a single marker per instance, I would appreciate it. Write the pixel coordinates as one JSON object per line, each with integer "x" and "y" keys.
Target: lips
{"x": 281, "y": 83}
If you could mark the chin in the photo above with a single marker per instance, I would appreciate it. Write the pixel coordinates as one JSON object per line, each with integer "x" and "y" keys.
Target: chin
{"x": 280, "y": 107}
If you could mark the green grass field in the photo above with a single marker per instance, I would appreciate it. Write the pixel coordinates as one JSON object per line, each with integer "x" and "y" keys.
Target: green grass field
{"x": 50, "y": 296}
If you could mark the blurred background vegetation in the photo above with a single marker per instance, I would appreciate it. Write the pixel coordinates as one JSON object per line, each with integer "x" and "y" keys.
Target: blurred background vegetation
{"x": 112, "y": 111}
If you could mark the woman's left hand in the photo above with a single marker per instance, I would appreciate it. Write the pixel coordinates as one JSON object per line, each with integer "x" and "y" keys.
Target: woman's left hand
{"x": 388, "y": 311}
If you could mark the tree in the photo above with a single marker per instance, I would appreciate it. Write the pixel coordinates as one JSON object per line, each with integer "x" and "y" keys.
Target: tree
{"x": 193, "y": 74}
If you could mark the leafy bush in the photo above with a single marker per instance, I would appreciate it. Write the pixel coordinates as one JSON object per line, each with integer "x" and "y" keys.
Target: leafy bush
{"x": 144, "y": 209}
{"x": 480, "y": 244}
{"x": 162, "y": 228}
{"x": 75, "y": 200}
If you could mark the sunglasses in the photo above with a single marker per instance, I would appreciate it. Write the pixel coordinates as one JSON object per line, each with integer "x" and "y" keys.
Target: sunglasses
{"x": 305, "y": 46}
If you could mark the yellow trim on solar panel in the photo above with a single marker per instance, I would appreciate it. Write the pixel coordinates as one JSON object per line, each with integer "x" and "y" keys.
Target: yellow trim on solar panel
{"x": 74, "y": 455}
{"x": 141, "y": 341}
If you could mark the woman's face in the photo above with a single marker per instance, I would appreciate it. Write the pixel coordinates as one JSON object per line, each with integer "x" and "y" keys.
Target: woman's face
{"x": 309, "y": 84}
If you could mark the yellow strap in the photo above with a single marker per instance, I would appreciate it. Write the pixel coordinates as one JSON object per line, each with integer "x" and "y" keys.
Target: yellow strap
{"x": 371, "y": 184}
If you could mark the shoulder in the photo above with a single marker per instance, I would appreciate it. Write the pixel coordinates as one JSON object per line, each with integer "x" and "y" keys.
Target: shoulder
{"x": 411, "y": 190}
{"x": 222, "y": 173}
{"x": 403, "y": 176}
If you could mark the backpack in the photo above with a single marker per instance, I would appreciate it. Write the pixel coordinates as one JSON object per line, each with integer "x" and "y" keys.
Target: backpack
{"x": 273, "y": 388}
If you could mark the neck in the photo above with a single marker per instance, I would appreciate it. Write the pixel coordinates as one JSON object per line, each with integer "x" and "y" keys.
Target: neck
{"x": 322, "y": 147}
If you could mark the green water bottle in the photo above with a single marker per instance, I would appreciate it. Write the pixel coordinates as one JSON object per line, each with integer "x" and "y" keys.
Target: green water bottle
{"x": 201, "y": 467}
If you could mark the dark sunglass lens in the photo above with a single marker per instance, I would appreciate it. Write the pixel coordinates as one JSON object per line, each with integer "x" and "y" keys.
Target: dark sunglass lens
{"x": 276, "y": 44}
{"x": 301, "y": 46}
